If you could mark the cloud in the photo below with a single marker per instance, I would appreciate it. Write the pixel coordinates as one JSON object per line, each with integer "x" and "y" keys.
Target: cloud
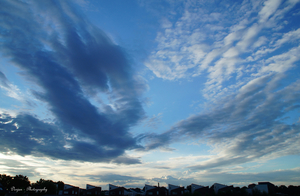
{"x": 3, "y": 80}
{"x": 27, "y": 135}
{"x": 279, "y": 177}
{"x": 269, "y": 8}
{"x": 154, "y": 121}
{"x": 15, "y": 167}
{"x": 119, "y": 180}
{"x": 207, "y": 178}
{"x": 243, "y": 127}
{"x": 172, "y": 180}
{"x": 288, "y": 37}
{"x": 188, "y": 49}
{"x": 162, "y": 167}
{"x": 71, "y": 61}
{"x": 11, "y": 90}
{"x": 282, "y": 62}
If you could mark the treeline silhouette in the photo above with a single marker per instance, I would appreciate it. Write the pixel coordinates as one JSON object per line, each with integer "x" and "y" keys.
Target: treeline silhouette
{"x": 22, "y": 183}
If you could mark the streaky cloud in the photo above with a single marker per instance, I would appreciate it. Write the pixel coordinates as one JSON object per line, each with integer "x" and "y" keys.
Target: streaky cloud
{"x": 3, "y": 80}
{"x": 244, "y": 127}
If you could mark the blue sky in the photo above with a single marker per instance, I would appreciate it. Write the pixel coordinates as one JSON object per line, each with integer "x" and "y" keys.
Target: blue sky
{"x": 135, "y": 92}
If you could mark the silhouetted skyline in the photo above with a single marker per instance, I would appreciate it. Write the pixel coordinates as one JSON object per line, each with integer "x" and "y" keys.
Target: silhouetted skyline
{"x": 140, "y": 92}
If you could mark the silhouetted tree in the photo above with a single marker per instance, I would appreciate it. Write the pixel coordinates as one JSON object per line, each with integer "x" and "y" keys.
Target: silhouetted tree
{"x": 20, "y": 181}
{"x": 48, "y": 184}
{"x": 294, "y": 190}
{"x": 5, "y": 180}
{"x": 60, "y": 185}
{"x": 3, "y": 190}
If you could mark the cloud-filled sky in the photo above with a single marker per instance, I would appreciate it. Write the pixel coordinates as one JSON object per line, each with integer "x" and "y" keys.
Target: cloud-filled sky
{"x": 135, "y": 92}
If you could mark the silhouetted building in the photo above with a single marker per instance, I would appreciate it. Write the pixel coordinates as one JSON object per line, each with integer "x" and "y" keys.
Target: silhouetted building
{"x": 116, "y": 190}
{"x": 195, "y": 187}
{"x": 155, "y": 191}
{"x": 226, "y": 189}
{"x": 134, "y": 192}
{"x": 251, "y": 186}
{"x": 221, "y": 187}
{"x": 92, "y": 190}
{"x": 270, "y": 187}
{"x": 71, "y": 190}
{"x": 175, "y": 190}
{"x": 204, "y": 190}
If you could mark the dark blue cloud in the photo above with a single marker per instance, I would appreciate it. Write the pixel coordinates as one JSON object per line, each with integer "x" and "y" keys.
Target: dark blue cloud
{"x": 3, "y": 79}
{"x": 70, "y": 60}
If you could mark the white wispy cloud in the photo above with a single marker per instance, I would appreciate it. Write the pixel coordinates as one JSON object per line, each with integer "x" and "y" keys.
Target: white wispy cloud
{"x": 187, "y": 49}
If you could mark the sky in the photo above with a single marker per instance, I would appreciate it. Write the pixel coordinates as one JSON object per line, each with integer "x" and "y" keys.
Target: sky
{"x": 139, "y": 92}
